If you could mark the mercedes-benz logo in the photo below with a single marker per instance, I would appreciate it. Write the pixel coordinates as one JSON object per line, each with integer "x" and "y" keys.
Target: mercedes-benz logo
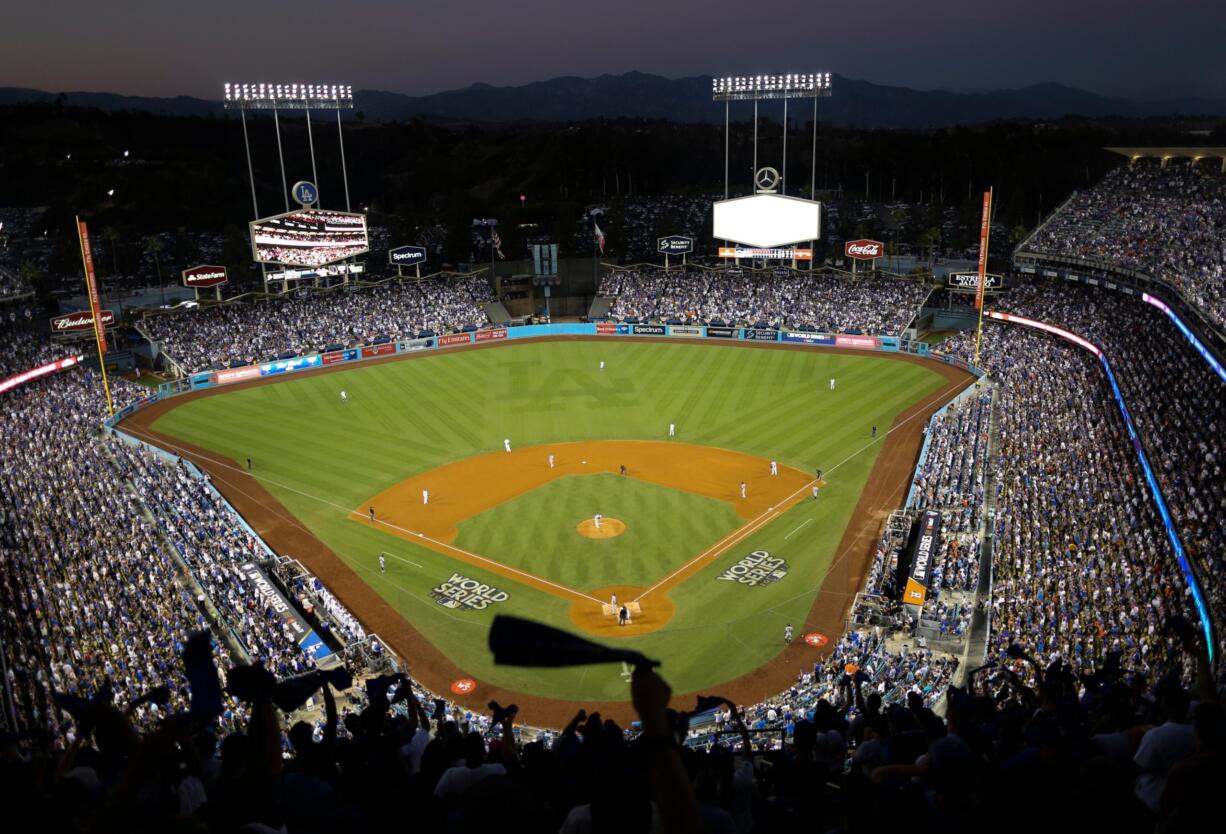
{"x": 767, "y": 179}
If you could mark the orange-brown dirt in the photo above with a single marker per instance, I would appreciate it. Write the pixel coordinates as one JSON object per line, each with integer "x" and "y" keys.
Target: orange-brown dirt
{"x": 610, "y": 528}
{"x": 884, "y": 491}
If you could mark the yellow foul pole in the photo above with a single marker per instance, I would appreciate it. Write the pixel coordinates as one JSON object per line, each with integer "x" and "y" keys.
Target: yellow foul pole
{"x": 985, "y": 232}
{"x": 95, "y": 308}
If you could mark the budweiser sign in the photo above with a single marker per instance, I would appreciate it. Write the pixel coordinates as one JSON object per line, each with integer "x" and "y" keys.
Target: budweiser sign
{"x": 864, "y": 250}
{"x": 199, "y": 277}
{"x": 74, "y": 322}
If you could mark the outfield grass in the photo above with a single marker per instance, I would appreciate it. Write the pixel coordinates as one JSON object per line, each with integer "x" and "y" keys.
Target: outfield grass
{"x": 321, "y": 458}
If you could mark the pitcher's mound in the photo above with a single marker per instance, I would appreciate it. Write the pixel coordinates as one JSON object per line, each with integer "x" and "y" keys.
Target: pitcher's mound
{"x": 609, "y": 527}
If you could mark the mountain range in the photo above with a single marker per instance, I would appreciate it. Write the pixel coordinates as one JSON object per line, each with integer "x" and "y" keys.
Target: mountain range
{"x": 637, "y": 95}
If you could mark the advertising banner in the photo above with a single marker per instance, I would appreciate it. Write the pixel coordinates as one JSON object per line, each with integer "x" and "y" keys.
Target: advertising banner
{"x": 864, "y": 250}
{"x": 41, "y": 370}
{"x": 294, "y": 623}
{"x": 856, "y": 341}
{"x": 648, "y": 329}
{"x": 926, "y": 544}
{"x": 689, "y": 331}
{"x": 97, "y": 321}
{"x": 985, "y": 231}
{"x": 406, "y": 255}
{"x": 756, "y": 335}
{"x": 414, "y": 345}
{"x": 236, "y": 374}
{"x": 202, "y": 277}
{"x": 722, "y": 332}
{"x": 806, "y": 337}
{"x": 491, "y": 335}
{"x": 296, "y": 364}
{"x": 334, "y": 357}
{"x": 767, "y": 254}
{"x": 606, "y": 328}
{"x": 970, "y": 281}
{"x": 80, "y": 322}
{"x": 675, "y": 245}
{"x": 385, "y": 349}
{"x": 455, "y": 339}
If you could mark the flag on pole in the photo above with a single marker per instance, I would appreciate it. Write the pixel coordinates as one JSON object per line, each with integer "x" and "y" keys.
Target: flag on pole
{"x": 985, "y": 228}
{"x": 599, "y": 234}
{"x": 497, "y": 241}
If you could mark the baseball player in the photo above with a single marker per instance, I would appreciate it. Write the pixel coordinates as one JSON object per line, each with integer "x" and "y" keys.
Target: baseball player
{"x": 372, "y": 515}
{"x": 831, "y": 383}
{"x": 551, "y": 460}
{"x": 382, "y": 564}
{"x": 613, "y": 600}
{"x": 774, "y": 467}
{"x": 672, "y": 429}
{"x": 602, "y": 364}
{"x": 622, "y": 470}
{"x": 874, "y": 431}
{"x": 597, "y": 518}
{"x": 787, "y": 634}
{"x": 623, "y": 616}
{"x": 425, "y": 496}
{"x": 248, "y": 464}
{"x": 506, "y": 444}
{"x": 742, "y": 489}
{"x": 344, "y": 396}
{"x": 816, "y": 490}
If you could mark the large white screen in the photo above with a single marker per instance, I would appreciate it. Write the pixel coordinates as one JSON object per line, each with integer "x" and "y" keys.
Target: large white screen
{"x": 767, "y": 220}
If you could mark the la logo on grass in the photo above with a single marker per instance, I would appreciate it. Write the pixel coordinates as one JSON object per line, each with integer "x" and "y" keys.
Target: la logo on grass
{"x": 756, "y": 570}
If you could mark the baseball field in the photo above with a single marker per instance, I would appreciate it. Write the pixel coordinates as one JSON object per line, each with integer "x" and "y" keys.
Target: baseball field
{"x": 468, "y": 530}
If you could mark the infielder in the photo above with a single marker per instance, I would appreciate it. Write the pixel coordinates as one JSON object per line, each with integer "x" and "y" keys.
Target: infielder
{"x": 613, "y": 600}
{"x": 425, "y": 496}
{"x": 815, "y": 491}
{"x": 551, "y": 461}
{"x": 774, "y": 467}
{"x": 787, "y": 634}
{"x": 344, "y": 396}
{"x": 382, "y": 564}
{"x": 742, "y": 489}
{"x": 372, "y": 515}
{"x": 597, "y": 518}
{"x": 672, "y": 429}
{"x": 506, "y": 444}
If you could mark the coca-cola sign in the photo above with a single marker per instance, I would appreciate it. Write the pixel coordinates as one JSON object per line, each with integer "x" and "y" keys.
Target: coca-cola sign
{"x": 207, "y": 275}
{"x": 76, "y": 322}
{"x": 864, "y": 250}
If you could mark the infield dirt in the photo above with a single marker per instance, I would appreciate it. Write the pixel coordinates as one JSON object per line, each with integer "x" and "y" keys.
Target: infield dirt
{"x": 884, "y": 491}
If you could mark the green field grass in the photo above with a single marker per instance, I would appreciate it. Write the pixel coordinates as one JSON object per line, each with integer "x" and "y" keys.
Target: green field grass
{"x": 321, "y": 457}
{"x": 536, "y": 531}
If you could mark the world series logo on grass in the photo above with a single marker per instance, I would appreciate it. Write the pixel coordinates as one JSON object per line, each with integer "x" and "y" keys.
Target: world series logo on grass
{"x": 756, "y": 570}
{"x": 465, "y": 592}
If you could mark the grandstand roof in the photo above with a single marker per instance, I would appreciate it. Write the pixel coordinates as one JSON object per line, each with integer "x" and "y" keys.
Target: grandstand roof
{"x": 1172, "y": 153}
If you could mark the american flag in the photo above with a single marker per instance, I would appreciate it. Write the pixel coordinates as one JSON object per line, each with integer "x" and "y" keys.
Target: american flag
{"x": 599, "y": 235}
{"x": 497, "y": 241}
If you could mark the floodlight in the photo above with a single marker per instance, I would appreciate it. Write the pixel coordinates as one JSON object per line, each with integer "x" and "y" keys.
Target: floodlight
{"x": 788, "y": 85}
{"x": 292, "y": 96}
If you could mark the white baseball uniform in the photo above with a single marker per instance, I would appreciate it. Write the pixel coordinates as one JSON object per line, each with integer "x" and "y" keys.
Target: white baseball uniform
{"x": 506, "y": 444}
{"x": 344, "y": 397}
{"x": 774, "y": 467}
{"x": 551, "y": 461}
{"x": 597, "y": 520}
{"x": 832, "y": 383}
{"x": 742, "y": 489}
{"x": 672, "y": 429}
{"x": 425, "y": 496}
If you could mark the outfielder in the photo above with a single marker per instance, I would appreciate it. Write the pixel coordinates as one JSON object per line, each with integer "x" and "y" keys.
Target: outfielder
{"x": 831, "y": 383}
{"x": 506, "y": 444}
{"x": 672, "y": 429}
{"x": 602, "y": 364}
{"x": 344, "y": 396}
{"x": 382, "y": 564}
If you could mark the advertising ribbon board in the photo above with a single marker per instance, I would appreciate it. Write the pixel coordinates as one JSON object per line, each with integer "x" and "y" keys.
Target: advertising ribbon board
{"x": 757, "y": 335}
{"x": 856, "y": 341}
{"x": 296, "y": 364}
{"x": 295, "y": 623}
{"x": 455, "y": 339}
{"x": 236, "y": 374}
{"x": 606, "y": 328}
{"x": 689, "y": 331}
{"x": 384, "y": 349}
{"x": 806, "y": 337}
{"x": 722, "y": 332}
{"x": 648, "y": 329}
{"x": 491, "y": 335}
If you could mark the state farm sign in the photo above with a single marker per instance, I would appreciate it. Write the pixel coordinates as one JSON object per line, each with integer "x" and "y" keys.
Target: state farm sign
{"x": 864, "y": 250}
{"x": 207, "y": 275}
{"x": 76, "y": 322}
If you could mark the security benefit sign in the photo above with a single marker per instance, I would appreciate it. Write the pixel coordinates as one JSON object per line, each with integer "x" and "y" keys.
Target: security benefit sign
{"x": 757, "y": 570}
{"x": 923, "y": 551}
{"x": 465, "y": 593}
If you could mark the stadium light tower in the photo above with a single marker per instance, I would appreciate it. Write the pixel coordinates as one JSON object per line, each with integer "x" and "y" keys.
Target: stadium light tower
{"x": 278, "y": 97}
{"x": 757, "y": 88}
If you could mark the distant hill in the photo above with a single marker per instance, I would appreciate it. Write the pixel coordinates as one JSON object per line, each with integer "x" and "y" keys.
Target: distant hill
{"x": 643, "y": 96}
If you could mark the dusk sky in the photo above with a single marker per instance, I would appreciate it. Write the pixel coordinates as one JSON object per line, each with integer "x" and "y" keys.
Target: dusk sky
{"x": 155, "y": 47}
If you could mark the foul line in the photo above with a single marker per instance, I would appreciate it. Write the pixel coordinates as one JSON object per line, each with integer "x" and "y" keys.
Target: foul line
{"x": 719, "y": 548}
{"x": 794, "y": 532}
{"x": 437, "y": 545}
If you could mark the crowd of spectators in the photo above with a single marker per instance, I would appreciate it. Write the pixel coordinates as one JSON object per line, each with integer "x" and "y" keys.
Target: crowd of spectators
{"x": 242, "y": 333}
{"x": 1168, "y": 222}
{"x": 1177, "y": 403}
{"x": 870, "y": 304}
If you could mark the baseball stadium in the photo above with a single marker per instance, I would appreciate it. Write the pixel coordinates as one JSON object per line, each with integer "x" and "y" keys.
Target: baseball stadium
{"x": 738, "y": 506}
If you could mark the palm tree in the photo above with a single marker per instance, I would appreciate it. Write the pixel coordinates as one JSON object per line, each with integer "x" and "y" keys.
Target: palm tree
{"x": 30, "y": 274}
{"x": 155, "y": 245}
{"x": 111, "y": 235}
